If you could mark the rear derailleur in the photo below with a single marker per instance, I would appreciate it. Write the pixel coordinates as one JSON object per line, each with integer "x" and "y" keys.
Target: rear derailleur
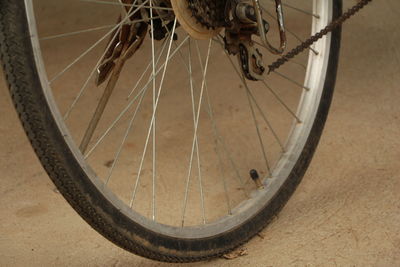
{"x": 243, "y": 20}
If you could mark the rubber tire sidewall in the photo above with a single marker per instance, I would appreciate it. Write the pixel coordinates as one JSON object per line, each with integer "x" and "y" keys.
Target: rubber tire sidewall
{"x": 21, "y": 74}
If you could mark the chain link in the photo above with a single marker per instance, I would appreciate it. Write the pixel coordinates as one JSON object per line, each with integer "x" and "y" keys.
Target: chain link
{"x": 329, "y": 28}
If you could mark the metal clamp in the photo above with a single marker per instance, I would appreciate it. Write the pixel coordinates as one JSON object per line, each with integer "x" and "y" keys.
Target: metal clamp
{"x": 262, "y": 30}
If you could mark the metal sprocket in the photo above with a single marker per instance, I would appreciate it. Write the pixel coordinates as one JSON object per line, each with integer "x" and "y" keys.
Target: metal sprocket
{"x": 209, "y": 13}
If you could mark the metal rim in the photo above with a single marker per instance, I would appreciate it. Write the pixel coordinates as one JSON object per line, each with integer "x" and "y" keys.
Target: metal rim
{"x": 315, "y": 78}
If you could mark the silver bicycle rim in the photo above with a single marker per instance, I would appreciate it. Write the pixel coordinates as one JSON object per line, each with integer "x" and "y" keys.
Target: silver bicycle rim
{"x": 307, "y": 109}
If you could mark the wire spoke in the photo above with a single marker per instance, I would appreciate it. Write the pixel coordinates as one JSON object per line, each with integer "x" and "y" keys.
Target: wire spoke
{"x": 218, "y": 139}
{"x": 154, "y": 111}
{"x": 196, "y": 125}
{"x": 228, "y": 201}
{"x": 153, "y": 116}
{"x": 281, "y": 101}
{"x": 197, "y": 142}
{"x": 243, "y": 80}
{"x": 289, "y": 31}
{"x": 290, "y": 61}
{"x": 189, "y": 70}
{"x": 256, "y": 125}
{"x": 128, "y": 130}
{"x": 84, "y": 86}
{"x": 217, "y": 136}
{"x": 140, "y": 144}
{"x": 302, "y": 41}
{"x": 180, "y": 52}
{"x": 130, "y": 103}
{"x": 161, "y": 67}
{"x": 216, "y": 133}
{"x": 258, "y": 106}
{"x": 114, "y": 123}
{"x": 265, "y": 119}
{"x": 299, "y": 9}
{"x": 92, "y": 29}
{"x": 159, "y": 53}
{"x": 291, "y": 80}
{"x": 250, "y": 94}
{"x": 76, "y": 32}
{"x": 127, "y": 5}
{"x": 94, "y": 45}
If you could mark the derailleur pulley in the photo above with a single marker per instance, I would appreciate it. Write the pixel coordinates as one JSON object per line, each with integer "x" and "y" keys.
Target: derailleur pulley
{"x": 243, "y": 20}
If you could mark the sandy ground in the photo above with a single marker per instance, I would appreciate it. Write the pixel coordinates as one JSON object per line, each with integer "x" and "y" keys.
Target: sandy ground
{"x": 345, "y": 213}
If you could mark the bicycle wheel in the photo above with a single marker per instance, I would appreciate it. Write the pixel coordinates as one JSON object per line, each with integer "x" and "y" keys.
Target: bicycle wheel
{"x": 188, "y": 159}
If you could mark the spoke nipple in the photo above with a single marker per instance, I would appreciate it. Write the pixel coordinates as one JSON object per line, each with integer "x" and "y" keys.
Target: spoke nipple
{"x": 256, "y": 178}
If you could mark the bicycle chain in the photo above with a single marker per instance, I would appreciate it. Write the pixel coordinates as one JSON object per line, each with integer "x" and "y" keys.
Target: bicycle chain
{"x": 307, "y": 44}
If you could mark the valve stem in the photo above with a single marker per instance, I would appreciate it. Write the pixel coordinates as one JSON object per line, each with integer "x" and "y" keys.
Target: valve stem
{"x": 256, "y": 178}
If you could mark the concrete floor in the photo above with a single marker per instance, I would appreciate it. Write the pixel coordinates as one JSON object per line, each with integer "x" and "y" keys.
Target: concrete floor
{"x": 346, "y": 212}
